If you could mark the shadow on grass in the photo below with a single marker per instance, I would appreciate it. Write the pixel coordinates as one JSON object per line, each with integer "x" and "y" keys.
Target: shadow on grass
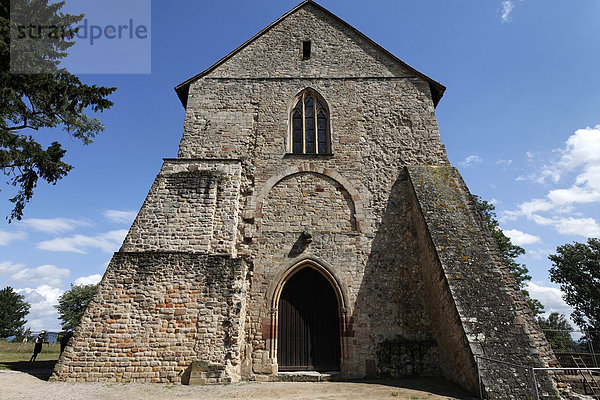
{"x": 436, "y": 386}
{"x": 40, "y": 369}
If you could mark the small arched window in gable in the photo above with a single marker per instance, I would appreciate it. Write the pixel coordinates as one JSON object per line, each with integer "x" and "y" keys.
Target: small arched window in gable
{"x": 310, "y": 125}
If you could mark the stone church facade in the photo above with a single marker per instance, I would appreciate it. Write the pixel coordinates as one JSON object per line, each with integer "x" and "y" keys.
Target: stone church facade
{"x": 311, "y": 221}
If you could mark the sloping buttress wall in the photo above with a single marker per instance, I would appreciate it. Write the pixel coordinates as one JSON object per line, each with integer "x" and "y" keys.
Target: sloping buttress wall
{"x": 475, "y": 307}
{"x": 174, "y": 294}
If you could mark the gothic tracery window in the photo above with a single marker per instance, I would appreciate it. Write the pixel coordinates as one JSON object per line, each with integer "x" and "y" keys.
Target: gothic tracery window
{"x": 310, "y": 125}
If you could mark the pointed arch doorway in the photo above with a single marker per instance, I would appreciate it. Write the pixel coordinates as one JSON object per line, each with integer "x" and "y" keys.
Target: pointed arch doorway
{"x": 308, "y": 329}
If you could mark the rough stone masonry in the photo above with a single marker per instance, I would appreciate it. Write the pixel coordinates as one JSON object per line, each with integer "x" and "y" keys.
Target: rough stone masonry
{"x": 308, "y": 148}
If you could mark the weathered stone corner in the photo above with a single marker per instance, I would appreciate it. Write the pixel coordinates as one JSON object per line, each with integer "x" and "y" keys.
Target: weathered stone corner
{"x": 205, "y": 373}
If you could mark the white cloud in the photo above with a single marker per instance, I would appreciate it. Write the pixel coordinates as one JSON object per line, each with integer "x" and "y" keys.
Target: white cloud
{"x": 538, "y": 219}
{"x": 551, "y": 173}
{"x": 107, "y": 242}
{"x": 507, "y": 7}
{"x": 504, "y": 163}
{"x": 581, "y": 154}
{"x": 580, "y": 158}
{"x": 120, "y": 217}
{"x": 583, "y": 148}
{"x": 8, "y": 268}
{"x": 521, "y": 238}
{"x": 535, "y": 205}
{"x": 53, "y": 225}
{"x": 574, "y": 194}
{"x": 551, "y": 298}
{"x": 473, "y": 159}
{"x": 527, "y": 209}
{"x": 42, "y": 314}
{"x": 87, "y": 280}
{"x": 586, "y": 227}
{"x": 539, "y": 254}
{"x": 48, "y": 275}
{"x": 7, "y": 237}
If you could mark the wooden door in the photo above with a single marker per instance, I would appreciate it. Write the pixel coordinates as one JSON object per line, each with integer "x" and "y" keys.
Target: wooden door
{"x": 308, "y": 327}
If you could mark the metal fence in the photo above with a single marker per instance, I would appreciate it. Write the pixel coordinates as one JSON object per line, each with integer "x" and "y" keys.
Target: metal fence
{"x": 492, "y": 366}
{"x": 589, "y": 376}
{"x": 578, "y": 369}
{"x": 530, "y": 375}
{"x": 582, "y": 346}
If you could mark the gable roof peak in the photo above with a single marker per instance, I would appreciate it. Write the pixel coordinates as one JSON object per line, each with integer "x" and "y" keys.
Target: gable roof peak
{"x": 437, "y": 89}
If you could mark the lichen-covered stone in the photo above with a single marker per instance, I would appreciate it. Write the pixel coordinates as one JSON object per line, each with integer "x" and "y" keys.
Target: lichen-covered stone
{"x": 476, "y": 307}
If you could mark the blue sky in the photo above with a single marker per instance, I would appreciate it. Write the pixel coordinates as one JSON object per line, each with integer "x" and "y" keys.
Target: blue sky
{"x": 520, "y": 119}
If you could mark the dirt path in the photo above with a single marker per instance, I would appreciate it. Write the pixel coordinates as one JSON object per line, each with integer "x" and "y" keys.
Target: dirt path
{"x": 21, "y": 385}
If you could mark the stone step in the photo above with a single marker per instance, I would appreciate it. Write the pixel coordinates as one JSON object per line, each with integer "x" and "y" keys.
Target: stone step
{"x": 307, "y": 376}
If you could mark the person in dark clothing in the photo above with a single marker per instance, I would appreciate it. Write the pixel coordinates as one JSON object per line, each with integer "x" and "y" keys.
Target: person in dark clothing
{"x": 39, "y": 341}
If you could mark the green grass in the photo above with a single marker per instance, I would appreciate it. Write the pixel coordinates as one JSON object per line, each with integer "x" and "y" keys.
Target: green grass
{"x": 16, "y": 356}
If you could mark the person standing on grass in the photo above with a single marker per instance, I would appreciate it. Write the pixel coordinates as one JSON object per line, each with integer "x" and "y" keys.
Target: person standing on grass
{"x": 39, "y": 341}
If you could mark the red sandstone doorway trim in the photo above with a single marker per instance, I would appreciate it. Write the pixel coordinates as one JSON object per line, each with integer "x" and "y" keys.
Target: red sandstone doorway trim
{"x": 274, "y": 293}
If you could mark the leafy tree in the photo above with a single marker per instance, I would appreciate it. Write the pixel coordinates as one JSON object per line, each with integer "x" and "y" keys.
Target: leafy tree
{"x": 51, "y": 98}
{"x": 557, "y": 331}
{"x": 13, "y": 309}
{"x": 535, "y": 305}
{"x": 73, "y": 303}
{"x": 509, "y": 252}
{"x": 576, "y": 268}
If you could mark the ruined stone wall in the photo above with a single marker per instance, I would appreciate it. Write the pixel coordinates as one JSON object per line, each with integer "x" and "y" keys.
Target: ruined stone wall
{"x": 377, "y": 127}
{"x": 422, "y": 289}
{"x": 381, "y": 118}
{"x": 156, "y": 312}
{"x": 192, "y": 206}
{"x": 474, "y": 299}
{"x": 456, "y": 359}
